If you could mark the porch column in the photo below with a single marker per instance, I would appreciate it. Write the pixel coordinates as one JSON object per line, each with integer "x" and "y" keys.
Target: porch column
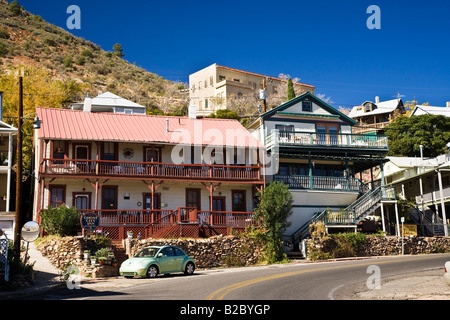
{"x": 347, "y": 173}
{"x": 96, "y": 194}
{"x": 310, "y": 172}
{"x": 382, "y": 218}
{"x": 441, "y": 193}
{"x": 371, "y": 179}
{"x": 397, "y": 220}
{"x": 8, "y": 182}
{"x": 382, "y": 173}
{"x": 423, "y": 205}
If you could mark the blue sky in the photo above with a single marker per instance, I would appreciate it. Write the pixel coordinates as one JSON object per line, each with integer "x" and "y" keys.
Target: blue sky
{"x": 325, "y": 43}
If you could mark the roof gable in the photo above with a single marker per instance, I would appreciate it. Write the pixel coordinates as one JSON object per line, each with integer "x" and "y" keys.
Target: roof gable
{"x": 294, "y": 108}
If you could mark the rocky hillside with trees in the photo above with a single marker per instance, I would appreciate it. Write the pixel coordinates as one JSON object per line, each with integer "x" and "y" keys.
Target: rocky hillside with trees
{"x": 74, "y": 65}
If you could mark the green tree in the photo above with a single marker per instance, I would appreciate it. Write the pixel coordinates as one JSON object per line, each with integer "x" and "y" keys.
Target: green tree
{"x": 15, "y": 8}
{"x": 224, "y": 114}
{"x": 273, "y": 210}
{"x": 407, "y": 134}
{"x": 118, "y": 51}
{"x": 40, "y": 89}
{"x": 290, "y": 90}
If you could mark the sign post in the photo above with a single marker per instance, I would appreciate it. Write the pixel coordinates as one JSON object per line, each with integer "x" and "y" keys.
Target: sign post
{"x": 30, "y": 233}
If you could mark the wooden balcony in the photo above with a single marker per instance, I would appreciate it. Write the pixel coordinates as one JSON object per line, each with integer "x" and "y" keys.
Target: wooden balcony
{"x": 146, "y": 170}
{"x": 320, "y": 183}
{"x": 164, "y": 218}
{"x": 327, "y": 140}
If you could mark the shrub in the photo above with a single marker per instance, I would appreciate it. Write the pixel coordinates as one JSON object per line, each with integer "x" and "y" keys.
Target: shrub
{"x": 4, "y": 34}
{"x": 67, "y": 62}
{"x": 61, "y": 221}
{"x": 3, "y": 49}
{"x": 87, "y": 53}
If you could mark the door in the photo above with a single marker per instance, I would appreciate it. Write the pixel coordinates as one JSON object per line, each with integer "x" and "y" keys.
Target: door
{"x": 218, "y": 204}
{"x": 81, "y": 152}
{"x": 327, "y": 134}
{"x": 109, "y": 198}
{"x": 193, "y": 198}
{"x": 156, "y": 205}
{"x": 156, "y": 201}
{"x": 166, "y": 260}
{"x": 82, "y": 201}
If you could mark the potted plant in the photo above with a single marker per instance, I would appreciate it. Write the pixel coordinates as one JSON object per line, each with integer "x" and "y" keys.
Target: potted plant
{"x": 101, "y": 261}
{"x": 86, "y": 254}
{"x": 93, "y": 260}
{"x": 130, "y": 234}
{"x": 3, "y": 196}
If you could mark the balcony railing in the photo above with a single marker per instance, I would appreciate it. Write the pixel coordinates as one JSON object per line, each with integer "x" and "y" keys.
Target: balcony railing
{"x": 320, "y": 183}
{"x": 107, "y": 168}
{"x": 326, "y": 140}
{"x": 164, "y": 218}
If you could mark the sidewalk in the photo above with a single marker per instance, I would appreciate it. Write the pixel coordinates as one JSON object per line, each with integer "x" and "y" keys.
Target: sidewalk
{"x": 46, "y": 276}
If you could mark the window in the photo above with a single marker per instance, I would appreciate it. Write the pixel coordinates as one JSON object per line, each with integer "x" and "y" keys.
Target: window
{"x": 109, "y": 151}
{"x": 236, "y": 80}
{"x": 238, "y": 198}
{"x": 206, "y": 103}
{"x": 285, "y": 131}
{"x": 193, "y": 198}
{"x": 152, "y": 155}
{"x": 57, "y": 196}
{"x": 211, "y": 81}
{"x": 307, "y": 106}
{"x": 59, "y": 151}
{"x": 128, "y": 111}
{"x": 221, "y": 78}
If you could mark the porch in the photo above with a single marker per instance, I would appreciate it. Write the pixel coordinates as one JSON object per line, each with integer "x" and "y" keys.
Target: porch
{"x": 181, "y": 222}
{"x": 299, "y": 182}
{"x": 140, "y": 170}
{"x": 327, "y": 140}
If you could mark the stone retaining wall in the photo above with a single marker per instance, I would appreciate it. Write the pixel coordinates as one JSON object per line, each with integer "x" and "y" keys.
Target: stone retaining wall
{"x": 218, "y": 251}
{"x": 380, "y": 246}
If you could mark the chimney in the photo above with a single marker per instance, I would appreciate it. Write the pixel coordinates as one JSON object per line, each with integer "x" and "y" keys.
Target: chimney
{"x": 1, "y": 106}
{"x": 377, "y": 100}
{"x": 448, "y": 104}
{"x": 167, "y": 125}
{"x": 87, "y": 107}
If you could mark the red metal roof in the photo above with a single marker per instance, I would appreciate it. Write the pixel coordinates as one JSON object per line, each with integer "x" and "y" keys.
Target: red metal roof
{"x": 64, "y": 124}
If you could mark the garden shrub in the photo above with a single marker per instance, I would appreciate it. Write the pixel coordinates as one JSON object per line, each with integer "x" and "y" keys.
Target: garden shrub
{"x": 61, "y": 221}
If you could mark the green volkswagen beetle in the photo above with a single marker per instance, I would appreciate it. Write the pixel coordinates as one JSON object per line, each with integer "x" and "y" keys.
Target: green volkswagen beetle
{"x": 153, "y": 260}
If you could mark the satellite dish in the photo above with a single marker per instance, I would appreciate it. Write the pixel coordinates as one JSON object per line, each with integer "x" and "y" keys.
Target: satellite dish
{"x": 31, "y": 231}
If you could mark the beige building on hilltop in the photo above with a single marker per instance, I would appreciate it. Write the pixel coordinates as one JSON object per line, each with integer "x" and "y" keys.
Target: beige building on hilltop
{"x": 216, "y": 87}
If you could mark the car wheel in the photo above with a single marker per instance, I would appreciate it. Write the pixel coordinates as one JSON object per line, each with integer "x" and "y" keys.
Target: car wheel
{"x": 190, "y": 268}
{"x": 152, "y": 271}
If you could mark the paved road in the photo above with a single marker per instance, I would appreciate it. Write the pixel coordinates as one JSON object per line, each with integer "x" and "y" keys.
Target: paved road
{"x": 354, "y": 279}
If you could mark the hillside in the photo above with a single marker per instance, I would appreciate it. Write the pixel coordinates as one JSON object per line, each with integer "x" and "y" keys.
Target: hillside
{"x": 27, "y": 40}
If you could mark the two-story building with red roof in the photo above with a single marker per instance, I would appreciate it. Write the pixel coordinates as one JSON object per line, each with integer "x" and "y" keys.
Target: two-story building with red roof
{"x": 154, "y": 175}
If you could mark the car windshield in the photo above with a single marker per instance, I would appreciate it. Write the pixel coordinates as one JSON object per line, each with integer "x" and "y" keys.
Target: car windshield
{"x": 147, "y": 253}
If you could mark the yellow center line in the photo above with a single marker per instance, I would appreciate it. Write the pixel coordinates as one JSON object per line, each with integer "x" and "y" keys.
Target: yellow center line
{"x": 221, "y": 293}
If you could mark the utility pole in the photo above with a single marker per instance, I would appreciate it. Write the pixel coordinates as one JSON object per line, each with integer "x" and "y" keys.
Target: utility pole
{"x": 19, "y": 172}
